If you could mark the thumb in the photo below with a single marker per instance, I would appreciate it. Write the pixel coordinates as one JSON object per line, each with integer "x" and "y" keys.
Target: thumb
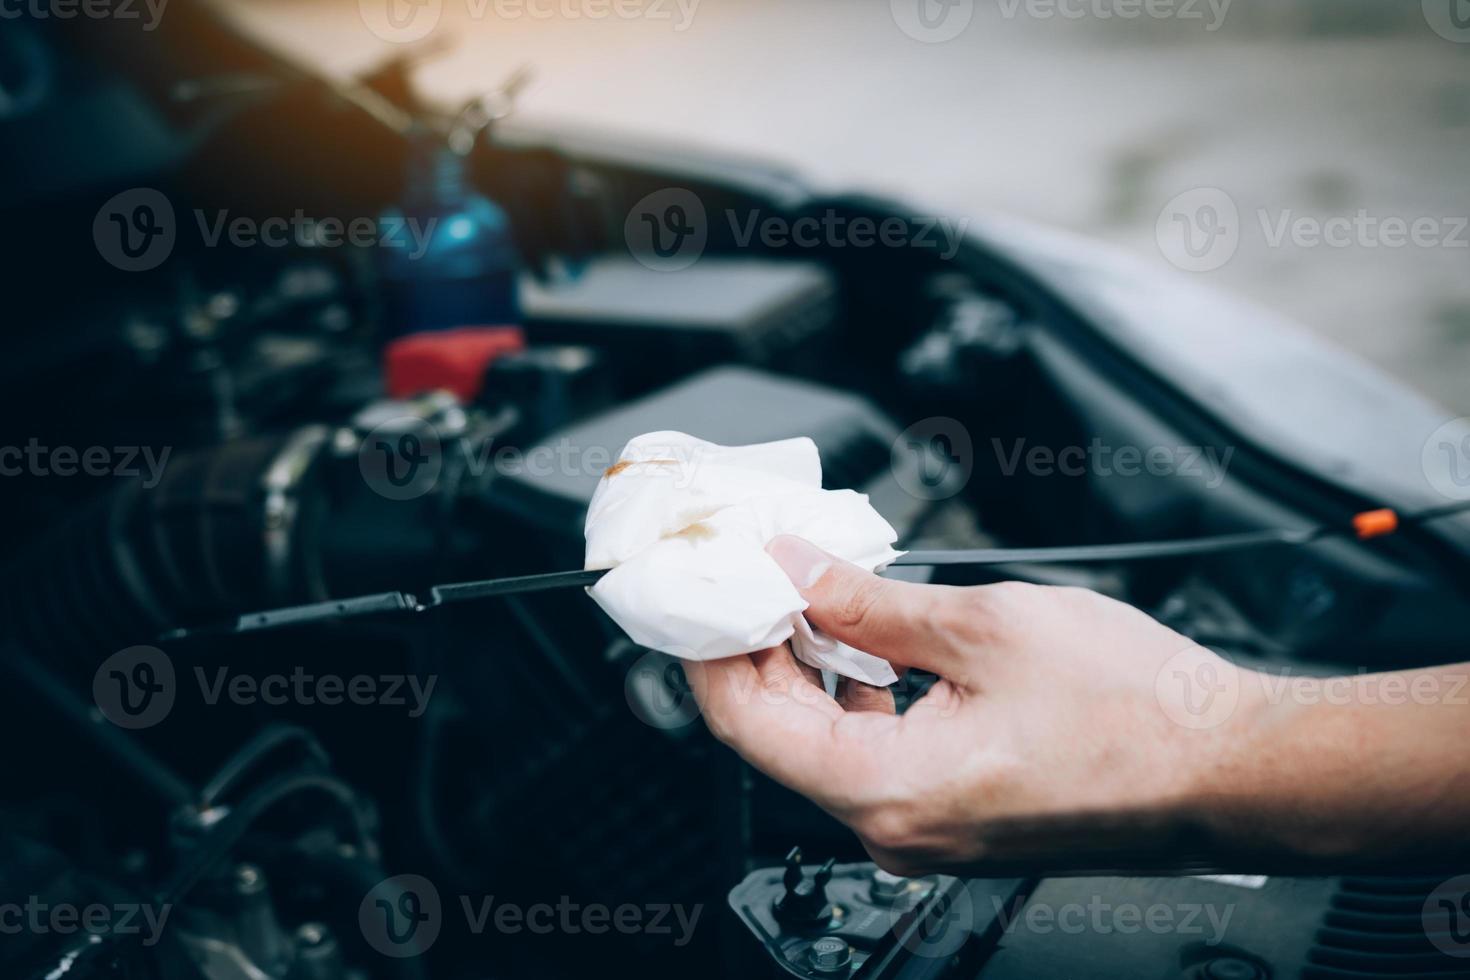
{"x": 899, "y": 621}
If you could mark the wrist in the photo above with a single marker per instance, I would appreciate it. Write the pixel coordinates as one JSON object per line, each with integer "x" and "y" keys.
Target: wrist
{"x": 1238, "y": 793}
{"x": 1276, "y": 781}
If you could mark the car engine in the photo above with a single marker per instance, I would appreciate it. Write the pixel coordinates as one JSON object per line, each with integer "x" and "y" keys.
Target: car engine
{"x": 318, "y": 427}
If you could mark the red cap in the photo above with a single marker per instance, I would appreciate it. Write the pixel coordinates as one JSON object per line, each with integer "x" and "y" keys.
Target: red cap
{"x": 454, "y": 360}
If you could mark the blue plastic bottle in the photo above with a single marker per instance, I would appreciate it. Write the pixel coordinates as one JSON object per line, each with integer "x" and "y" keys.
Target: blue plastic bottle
{"x": 447, "y": 256}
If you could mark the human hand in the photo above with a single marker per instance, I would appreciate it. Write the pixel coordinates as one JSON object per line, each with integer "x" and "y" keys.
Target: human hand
{"x": 1047, "y": 740}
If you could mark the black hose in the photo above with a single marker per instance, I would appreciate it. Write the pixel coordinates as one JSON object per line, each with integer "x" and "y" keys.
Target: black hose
{"x": 61, "y": 703}
{"x": 260, "y": 746}
{"x": 220, "y": 839}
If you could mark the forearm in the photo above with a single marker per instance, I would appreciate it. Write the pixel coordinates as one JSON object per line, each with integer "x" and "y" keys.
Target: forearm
{"x": 1344, "y": 769}
{"x": 1071, "y": 733}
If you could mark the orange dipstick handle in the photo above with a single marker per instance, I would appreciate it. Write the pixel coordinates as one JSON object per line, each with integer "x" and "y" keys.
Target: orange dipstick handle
{"x": 1375, "y": 523}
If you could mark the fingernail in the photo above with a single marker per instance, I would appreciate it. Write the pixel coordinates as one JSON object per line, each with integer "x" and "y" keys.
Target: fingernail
{"x": 803, "y": 562}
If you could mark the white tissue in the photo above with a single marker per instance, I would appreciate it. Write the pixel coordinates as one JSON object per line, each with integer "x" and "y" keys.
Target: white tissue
{"x": 683, "y": 524}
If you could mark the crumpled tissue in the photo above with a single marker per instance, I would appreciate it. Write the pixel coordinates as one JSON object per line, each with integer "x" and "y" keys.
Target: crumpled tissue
{"x": 683, "y": 523}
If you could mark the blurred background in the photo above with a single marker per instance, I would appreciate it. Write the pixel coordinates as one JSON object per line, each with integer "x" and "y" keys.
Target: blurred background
{"x": 1066, "y": 112}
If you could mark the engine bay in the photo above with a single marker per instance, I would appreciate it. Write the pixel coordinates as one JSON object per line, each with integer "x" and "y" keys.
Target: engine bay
{"x": 257, "y": 422}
